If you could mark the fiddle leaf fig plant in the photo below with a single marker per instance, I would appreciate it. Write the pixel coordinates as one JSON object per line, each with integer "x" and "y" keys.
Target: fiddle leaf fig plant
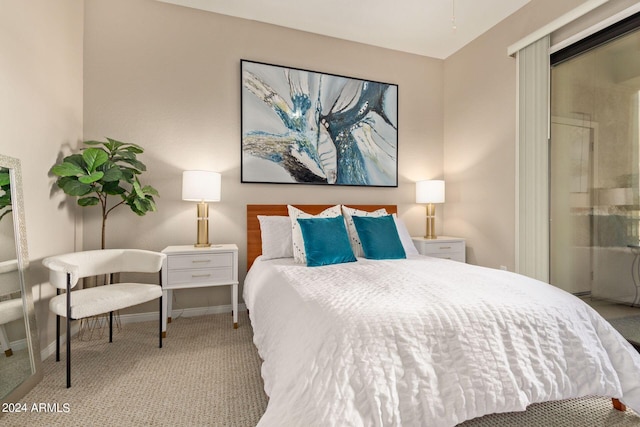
{"x": 104, "y": 169}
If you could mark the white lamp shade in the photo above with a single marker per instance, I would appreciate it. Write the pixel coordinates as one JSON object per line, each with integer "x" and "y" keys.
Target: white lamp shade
{"x": 201, "y": 186}
{"x": 430, "y": 191}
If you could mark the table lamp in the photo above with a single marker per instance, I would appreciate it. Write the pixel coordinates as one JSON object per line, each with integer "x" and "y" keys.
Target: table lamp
{"x": 202, "y": 187}
{"x": 430, "y": 192}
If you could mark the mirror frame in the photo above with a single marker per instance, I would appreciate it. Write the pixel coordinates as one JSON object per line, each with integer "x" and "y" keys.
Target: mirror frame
{"x": 20, "y": 231}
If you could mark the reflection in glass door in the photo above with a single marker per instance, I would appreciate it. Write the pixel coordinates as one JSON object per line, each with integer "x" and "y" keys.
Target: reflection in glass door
{"x": 571, "y": 172}
{"x": 594, "y": 163}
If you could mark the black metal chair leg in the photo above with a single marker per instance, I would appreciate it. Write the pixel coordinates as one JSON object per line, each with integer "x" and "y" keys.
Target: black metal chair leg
{"x": 68, "y": 352}
{"x": 160, "y": 310}
{"x": 68, "y": 330}
{"x": 57, "y": 333}
{"x": 160, "y": 323}
{"x": 57, "y": 338}
{"x": 111, "y": 326}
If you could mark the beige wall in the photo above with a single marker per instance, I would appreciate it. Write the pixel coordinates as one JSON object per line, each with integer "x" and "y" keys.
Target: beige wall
{"x": 168, "y": 78}
{"x": 40, "y": 112}
{"x": 480, "y": 136}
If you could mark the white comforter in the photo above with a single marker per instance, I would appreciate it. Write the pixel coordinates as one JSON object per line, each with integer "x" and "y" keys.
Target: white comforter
{"x": 424, "y": 342}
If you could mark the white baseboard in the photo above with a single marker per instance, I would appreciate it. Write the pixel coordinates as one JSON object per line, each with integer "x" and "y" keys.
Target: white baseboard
{"x": 177, "y": 313}
{"x": 18, "y": 344}
{"x": 145, "y": 317}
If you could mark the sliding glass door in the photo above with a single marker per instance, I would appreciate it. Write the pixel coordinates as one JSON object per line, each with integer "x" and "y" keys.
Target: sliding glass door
{"x": 594, "y": 164}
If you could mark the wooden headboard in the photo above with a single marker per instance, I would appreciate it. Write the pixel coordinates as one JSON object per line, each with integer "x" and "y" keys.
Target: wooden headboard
{"x": 254, "y": 241}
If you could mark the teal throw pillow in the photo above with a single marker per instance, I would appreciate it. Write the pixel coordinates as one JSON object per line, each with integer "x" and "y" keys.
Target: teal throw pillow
{"x": 379, "y": 237}
{"x": 326, "y": 241}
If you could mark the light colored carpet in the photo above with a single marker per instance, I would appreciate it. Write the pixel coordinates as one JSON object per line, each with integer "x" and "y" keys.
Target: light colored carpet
{"x": 208, "y": 374}
{"x": 629, "y": 327}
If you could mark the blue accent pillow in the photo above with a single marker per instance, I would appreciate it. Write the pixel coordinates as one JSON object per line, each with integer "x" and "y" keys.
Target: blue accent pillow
{"x": 379, "y": 237}
{"x": 326, "y": 241}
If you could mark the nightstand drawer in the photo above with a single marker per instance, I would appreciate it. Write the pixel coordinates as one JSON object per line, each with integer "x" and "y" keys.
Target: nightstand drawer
{"x": 205, "y": 260}
{"x": 441, "y": 248}
{"x": 200, "y": 275}
{"x": 456, "y": 256}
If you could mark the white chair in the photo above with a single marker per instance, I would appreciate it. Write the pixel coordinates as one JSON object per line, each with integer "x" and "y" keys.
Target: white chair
{"x": 10, "y": 309}
{"x": 65, "y": 270}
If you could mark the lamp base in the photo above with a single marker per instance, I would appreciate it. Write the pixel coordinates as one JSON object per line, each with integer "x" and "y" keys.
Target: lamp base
{"x": 203, "y": 226}
{"x": 431, "y": 222}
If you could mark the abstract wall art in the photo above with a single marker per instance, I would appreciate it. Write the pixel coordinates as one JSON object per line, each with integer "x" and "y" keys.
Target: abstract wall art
{"x": 306, "y": 127}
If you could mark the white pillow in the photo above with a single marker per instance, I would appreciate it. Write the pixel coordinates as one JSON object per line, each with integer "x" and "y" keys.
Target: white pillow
{"x": 276, "y": 236}
{"x": 405, "y": 237}
{"x": 296, "y": 234}
{"x": 348, "y": 213}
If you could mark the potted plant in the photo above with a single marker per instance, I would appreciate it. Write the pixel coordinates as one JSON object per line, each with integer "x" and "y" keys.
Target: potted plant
{"x": 104, "y": 171}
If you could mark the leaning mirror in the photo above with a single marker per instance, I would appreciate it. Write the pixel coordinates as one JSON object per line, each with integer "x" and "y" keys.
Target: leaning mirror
{"x": 20, "y": 355}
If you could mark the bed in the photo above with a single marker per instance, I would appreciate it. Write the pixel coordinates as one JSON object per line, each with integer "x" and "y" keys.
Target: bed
{"x": 421, "y": 340}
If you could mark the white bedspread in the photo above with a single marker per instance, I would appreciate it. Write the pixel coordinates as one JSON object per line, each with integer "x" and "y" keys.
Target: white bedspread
{"x": 424, "y": 342}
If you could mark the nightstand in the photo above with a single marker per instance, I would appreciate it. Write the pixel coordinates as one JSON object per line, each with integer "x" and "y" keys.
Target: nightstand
{"x": 441, "y": 247}
{"x": 188, "y": 267}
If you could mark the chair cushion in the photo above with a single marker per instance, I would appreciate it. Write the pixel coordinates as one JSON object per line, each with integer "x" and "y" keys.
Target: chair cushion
{"x": 10, "y": 310}
{"x": 103, "y": 299}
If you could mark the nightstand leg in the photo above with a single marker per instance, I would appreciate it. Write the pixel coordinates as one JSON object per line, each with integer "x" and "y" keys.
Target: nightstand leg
{"x": 234, "y": 304}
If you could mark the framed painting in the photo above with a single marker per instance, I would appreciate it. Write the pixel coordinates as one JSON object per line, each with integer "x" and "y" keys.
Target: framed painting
{"x": 306, "y": 127}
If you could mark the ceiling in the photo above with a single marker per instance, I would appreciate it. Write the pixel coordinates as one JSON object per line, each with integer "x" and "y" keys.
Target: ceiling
{"x": 422, "y": 27}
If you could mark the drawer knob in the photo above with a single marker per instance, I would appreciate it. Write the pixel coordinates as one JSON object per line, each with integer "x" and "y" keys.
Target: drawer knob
{"x": 200, "y": 260}
{"x": 445, "y": 247}
{"x": 200, "y": 275}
